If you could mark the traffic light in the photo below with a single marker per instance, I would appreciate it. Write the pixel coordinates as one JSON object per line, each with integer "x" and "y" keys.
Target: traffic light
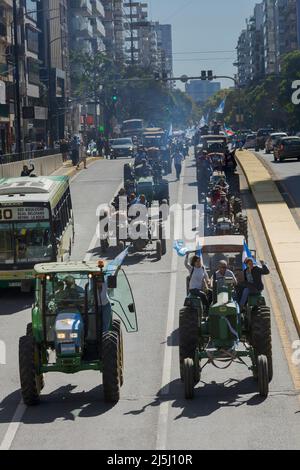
{"x": 114, "y": 95}
{"x": 203, "y": 74}
{"x": 210, "y": 75}
{"x": 273, "y": 107}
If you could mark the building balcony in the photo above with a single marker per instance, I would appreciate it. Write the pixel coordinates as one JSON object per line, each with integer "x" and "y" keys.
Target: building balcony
{"x": 82, "y": 7}
{"x": 84, "y": 46}
{"x": 98, "y": 28}
{"x": 98, "y": 8}
{"x": 82, "y": 27}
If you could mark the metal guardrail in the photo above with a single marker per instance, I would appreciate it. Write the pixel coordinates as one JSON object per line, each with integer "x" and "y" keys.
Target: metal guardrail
{"x": 28, "y": 155}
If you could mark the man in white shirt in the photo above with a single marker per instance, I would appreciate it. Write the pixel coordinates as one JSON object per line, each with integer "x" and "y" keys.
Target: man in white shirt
{"x": 223, "y": 272}
{"x": 178, "y": 157}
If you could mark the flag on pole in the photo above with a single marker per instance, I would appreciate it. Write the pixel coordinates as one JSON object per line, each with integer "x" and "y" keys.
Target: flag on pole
{"x": 203, "y": 122}
{"x": 220, "y": 108}
{"x": 115, "y": 264}
{"x": 228, "y": 131}
{"x": 247, "y": 254}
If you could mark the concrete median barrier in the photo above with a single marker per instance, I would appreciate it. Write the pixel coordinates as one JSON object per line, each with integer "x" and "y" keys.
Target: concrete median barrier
{"x": 43, "y": 166}
{"x": 282, "y": 232}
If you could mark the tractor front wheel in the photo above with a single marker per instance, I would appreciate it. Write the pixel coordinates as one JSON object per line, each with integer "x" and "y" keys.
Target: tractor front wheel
{"x": 111, "y": 369}
{"x": 261, "y": 335}
{"x": 116, "y": 327}
{"x": 158, "y": 250}
{"x": 31, "y": 382}
{"x": 189, "y": 380}
{"x": 263, "y": 375}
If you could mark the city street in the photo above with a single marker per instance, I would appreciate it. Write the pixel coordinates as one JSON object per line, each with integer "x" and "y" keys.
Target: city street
{"x": 152, "y": 413}
{"x": 286, "y": 174}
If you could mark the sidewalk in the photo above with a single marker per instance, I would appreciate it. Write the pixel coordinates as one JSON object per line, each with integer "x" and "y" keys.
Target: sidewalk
{"x": 280, "y": 227}
{"x": 67, "y": 169}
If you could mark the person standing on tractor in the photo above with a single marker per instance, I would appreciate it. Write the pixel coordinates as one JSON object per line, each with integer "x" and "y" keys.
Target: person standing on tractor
{"x": 178, "y": 157}
{"x": 253, "y": 279}
{"x": 26, "y": 171}
{"x": 103, "y": 300}
{"x": 198, "y": 274}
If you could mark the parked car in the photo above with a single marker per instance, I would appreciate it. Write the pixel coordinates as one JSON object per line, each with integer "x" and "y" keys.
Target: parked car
{"x": 122, "y": 147}
{"x": 261, "y": 137}
{"x": 287, "y": 147}
{"x": 250, "y": 141}
{"x": 272, "y": 139}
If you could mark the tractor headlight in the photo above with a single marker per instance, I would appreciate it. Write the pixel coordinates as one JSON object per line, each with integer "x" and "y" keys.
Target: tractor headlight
{"x": 73, "y": 335}
{"x": 61, "y": 335}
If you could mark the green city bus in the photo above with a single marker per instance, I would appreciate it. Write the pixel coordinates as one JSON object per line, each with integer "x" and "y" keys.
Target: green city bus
{"x": 36, "y": 226}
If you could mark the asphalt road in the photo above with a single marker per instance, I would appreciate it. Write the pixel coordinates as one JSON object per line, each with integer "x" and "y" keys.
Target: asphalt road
{"x": 287, "y": 175}
{"x": 152, "y": 413}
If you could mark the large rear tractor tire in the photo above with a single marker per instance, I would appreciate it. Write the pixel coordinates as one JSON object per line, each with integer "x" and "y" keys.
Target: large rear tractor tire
{"x": 263, "y": 376}
{"x": 243, "y": 226}
{"x": 31, "y": 382}
{"x": 111, "y": 369}
{"x": 189, "y": 382}
{"x": 116, "y": 327}
{"x": 261, "y": 335}
{"x": 188, "y": 335}
{"x": 158, "y": 250}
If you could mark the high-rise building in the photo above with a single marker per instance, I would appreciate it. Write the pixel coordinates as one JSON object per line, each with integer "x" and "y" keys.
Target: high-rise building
{"x": 114, "y": 29}
{"x": 270, "y": 37}
{"x": 142, "y": 36}
{"x": 86, "y": 35}
{"x": 165, "y": 48}
{"x": 201, "y": 90}
{"x": 6, "y": 77}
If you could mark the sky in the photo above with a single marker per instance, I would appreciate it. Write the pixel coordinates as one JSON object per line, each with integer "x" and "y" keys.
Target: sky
{"x": 205, "y": 33}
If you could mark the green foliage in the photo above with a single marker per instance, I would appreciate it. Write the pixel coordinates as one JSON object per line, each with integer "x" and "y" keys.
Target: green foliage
{"x": 140, "y": 96}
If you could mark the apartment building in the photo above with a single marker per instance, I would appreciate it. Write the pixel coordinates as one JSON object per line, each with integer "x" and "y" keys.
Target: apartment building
{"x": 6, "y": 78}
{"x": 165, "y": 48}
{"x": 114, "y": 22}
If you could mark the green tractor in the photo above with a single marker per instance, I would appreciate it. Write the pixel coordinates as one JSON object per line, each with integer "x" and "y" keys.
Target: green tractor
{"x": 153, "y": 186}
{"x": 213, "y": 330}
{"x": 70, "y": 332}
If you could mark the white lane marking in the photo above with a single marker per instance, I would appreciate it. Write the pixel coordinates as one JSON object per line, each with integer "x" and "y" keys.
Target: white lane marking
{"x": 162, "y": 428}
{"x": 13, "y": 427}
{"x": 21, "y": 408}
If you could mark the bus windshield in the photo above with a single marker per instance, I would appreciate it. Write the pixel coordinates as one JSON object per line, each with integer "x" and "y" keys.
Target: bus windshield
{"x": 25, "y": 242}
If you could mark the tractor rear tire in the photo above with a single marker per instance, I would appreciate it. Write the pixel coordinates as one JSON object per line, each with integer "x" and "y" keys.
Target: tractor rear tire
{"x": 158, "y": 250}
{"x": 188, "y": 335}
{"x": 263, "y": 375}
{"x": 261, "y": 335}
{"x": 29, "y": 329}
{"x": 189, "y": 381}
{"x": 29, "y": 379}
{"x": 111, "y": 369}
{"x": 116, "y": 327}
{"x": 243, "y": 226}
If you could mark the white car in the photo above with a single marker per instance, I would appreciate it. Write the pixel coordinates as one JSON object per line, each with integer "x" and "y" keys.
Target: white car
{"x": 272, "y": 139}
{"x": 250, "y": 141}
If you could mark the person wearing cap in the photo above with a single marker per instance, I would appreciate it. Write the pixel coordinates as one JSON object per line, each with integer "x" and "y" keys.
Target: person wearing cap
{"x": 72, "y": 290}
{"x": 219, "y": 276}
{"x": 103, "y": 300}
{"x": 221, "y": 207}
{"x": 253, "y": 279}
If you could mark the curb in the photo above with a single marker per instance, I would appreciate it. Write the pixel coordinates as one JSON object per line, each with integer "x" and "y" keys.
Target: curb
{"x": 280, "y": 227}
{"x": 70, "y": 171}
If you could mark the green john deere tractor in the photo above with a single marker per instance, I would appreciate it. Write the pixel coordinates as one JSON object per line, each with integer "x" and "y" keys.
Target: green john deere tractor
{"x": 70, "y": 332}
{"x": 155, "y": 188}
{"x": 213, "y": 330}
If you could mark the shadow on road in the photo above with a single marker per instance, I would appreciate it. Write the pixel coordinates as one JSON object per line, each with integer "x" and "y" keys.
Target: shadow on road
{"x": 209, "y": 397}
{"x": 14, "y": 301}
{"x": 60, "y": 404}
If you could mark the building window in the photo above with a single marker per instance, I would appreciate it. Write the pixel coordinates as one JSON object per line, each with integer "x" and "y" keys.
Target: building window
{"x": 31, "y": 9}
{"x": 32, "y": 40}
{"x": 33, "y": 70}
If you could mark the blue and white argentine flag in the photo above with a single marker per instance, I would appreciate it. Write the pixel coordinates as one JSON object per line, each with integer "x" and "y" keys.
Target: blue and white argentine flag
{"x": 247, "y": 254}
{"x": 220, "y": 108}
{"x": 116, "y": 263}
